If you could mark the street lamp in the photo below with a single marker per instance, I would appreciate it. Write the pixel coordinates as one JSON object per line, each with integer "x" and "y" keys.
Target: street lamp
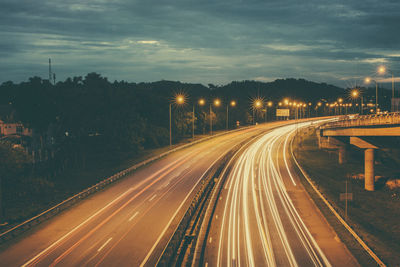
{"x": 216, "y": 103}
{"x": 257, "y": 104}
{"x": 179, "y": 99}
{"x": 382, "y": 70}
{"x": 369, "y": 80}
{"x": 201, "y": 102}
{"x": 355, "y": 93}
{"x": 340, "y": 100}
{"x": 269, "y": 104}
{"x": 232, "y": 104}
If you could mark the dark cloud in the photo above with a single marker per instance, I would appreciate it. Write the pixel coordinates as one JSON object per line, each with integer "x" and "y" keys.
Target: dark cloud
{"x": 199, "y": 40}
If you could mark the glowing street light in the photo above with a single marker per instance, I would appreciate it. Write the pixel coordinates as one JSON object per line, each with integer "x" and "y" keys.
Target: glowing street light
{"x": 369, "y": 80}
{"x": 286, "y": 101}
{"x": 355, "y": 93}
{"x": 217, "y": 103}
{"x": 382, "y": 70}
{"x": 269, "y": 104}
{"x": 179, "y": 99}
{"x": 256, "y": 105}
{"x": 200, "y": 102}
{"x": 232, "y": 104}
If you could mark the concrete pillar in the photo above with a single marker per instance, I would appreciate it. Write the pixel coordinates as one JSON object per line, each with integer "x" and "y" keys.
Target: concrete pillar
{"x": 342, "y": 154}
{"x": 369, "y": 169}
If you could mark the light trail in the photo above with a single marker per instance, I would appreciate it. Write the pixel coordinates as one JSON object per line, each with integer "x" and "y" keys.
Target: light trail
{"x": 260, "y": 225}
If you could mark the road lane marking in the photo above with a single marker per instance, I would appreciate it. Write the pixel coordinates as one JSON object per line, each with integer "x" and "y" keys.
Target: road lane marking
{"x": 56, "y": 243}
{"x": 133, "y": 216}
{"x": 210, "y": 240}
{"x": 68, "y": 251}
{"x": 152, "y": 197}
{"x": 105, "y": 244}
{"x": 176, "y": 212}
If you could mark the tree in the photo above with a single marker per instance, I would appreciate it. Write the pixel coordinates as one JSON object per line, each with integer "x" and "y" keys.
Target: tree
{"x": 12, "y": 164}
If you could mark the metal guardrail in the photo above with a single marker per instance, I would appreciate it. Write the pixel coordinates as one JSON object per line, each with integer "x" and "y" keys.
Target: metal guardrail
{"x": 22, "y": 227}
{"x": 364, "y": 120}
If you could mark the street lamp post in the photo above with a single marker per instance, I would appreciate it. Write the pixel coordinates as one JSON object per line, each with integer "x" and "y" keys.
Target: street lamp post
{"x": 201, "y": 102}
{"x": 179, "y": 100}
{"x": 269, "y": 104}
{"x": 257, "y": 103}
{"x": 382, "y": 70}
{"x": 217, "y": 103}
{"x": 355, "y": 94}
{"x": 369, "y": 80}
{"x": 233, "y": 104}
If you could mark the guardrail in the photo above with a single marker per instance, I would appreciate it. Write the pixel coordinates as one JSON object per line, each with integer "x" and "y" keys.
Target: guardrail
{"x": 365, "y": 120}
{"x": 22, "y": 227}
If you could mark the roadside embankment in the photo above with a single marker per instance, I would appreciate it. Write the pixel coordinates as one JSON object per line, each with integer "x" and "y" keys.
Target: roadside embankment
{"x": 373, "y": 215}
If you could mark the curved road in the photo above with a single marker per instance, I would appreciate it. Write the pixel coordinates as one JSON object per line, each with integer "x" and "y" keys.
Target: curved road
{"x": 130, "y": 222}
{"x": 264, "y": 217}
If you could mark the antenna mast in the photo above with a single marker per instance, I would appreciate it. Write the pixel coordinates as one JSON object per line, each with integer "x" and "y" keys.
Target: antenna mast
{"x": 50, "y": 78}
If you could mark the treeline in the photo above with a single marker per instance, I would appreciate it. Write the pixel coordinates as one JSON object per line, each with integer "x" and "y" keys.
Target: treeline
{"x": 87, "y": 123}
{"x": 101, "y": 115}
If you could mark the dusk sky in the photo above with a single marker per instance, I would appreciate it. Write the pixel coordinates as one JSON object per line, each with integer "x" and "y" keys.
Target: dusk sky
{"x": 200, "y": 41}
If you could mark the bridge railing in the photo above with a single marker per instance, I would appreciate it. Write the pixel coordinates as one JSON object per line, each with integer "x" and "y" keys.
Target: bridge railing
{"x": 364, "y": 120}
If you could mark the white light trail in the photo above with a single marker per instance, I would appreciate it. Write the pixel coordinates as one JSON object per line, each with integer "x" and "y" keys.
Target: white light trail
{"x": 260, "y": 225}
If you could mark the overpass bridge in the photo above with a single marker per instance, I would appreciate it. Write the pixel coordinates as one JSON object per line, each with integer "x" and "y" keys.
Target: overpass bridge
{"x": 363, "y": 132}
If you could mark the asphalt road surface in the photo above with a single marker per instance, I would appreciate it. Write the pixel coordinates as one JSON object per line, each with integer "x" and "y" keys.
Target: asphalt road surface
{"x": 264, "y": 217}
{"x": 129, "y": 223}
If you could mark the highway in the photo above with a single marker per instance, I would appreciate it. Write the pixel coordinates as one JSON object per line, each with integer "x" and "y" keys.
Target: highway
{"x": 264, "y": 217}
{"x": 130, "y": 222}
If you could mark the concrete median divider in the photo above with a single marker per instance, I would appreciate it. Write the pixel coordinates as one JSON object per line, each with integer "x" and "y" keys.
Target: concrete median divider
{"x": 49, "y": 213}
{"x": 181, "y": 249}
{"x": 179, "y": 246}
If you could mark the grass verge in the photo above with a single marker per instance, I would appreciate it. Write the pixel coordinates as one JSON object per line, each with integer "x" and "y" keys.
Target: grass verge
{"x": 373, "y": 215}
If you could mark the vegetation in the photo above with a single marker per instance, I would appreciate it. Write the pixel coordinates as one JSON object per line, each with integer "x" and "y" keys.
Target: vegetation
{"x": 85, "y": 128}
{"x": 374, "y": 215}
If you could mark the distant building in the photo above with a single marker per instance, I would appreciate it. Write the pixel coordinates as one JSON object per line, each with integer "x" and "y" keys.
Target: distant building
{"x": 14, "y": 128}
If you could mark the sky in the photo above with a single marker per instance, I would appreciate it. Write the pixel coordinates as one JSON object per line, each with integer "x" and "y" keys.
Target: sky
{"x": 201, "y": 41}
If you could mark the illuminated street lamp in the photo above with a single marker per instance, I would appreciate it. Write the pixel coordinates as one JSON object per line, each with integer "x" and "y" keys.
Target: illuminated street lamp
{"x": 382, "y": 70}
{"x": 355, "y": 93}
{"x": 286, "y": 101}
{"x": 269, "y": 104}
{"x": 179, "y": 99}
{"x": 369, "y": 80}
{"x": 201, "y": 102}
{"x": 216, "y": 103}
{"x": 340, "y": 100}
{"x": 232, "y": 104}
{"x": 257, "y": 104}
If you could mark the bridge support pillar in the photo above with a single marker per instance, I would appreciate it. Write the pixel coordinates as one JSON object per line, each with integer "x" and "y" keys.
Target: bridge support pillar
{"x": 342, "y": 154}
{"x": 369, "y": 169}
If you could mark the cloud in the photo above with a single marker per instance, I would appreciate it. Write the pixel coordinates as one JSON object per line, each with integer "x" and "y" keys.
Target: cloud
{"x": 201, "y": 41}
{"x": 150, "y": 42}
